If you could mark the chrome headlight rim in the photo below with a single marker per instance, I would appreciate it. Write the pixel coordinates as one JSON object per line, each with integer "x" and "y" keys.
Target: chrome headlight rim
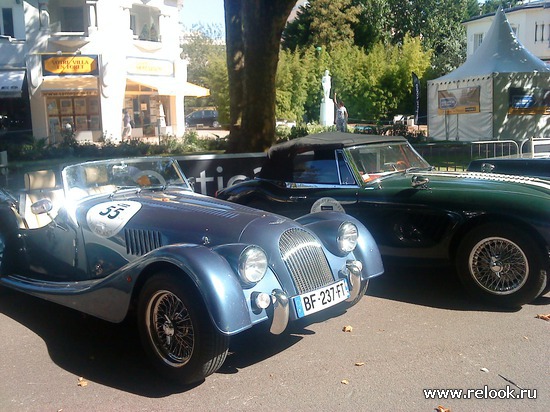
{"x": 252, "y": 265}
{"x": 348, "y": 235}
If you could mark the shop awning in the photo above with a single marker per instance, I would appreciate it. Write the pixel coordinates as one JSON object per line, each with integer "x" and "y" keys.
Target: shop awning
{"x": 69, "y": 84}
{"x": 11, "y": 83}
{"x": 167, "y": 86}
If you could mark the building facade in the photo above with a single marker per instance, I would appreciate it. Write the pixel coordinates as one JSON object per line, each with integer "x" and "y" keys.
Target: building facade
{"x": 530, "y": 22}
{"x": 80, "y": 64}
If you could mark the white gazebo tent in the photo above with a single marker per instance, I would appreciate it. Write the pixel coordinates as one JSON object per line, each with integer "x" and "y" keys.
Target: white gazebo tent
{"x": 501, "y": 92}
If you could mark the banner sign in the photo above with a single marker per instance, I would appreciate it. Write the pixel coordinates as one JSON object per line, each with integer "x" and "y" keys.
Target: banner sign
{"x": 458, "y": 101}
{"x": 215, "y": 172}
{"x": 416, "y": 93}
{"x": 56, "y": 65}
{"x": 529, "y": 101}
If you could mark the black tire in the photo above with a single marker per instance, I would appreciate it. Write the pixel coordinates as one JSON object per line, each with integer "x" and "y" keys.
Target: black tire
{"x": 198, "y": 349}
{"x": 501, "y": 265}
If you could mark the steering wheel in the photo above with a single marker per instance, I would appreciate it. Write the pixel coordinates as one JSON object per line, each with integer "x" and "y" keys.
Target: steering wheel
{"x": 143, "y": 178}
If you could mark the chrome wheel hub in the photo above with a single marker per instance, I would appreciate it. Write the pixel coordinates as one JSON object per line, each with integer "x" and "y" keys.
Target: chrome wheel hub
{"x": 170, "y": 328}
{"x": 498, "y": 265}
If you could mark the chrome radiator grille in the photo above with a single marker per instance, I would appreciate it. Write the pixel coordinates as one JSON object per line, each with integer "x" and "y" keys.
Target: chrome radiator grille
{"x": 305, "y": 260}
{"x": 140, "y": 242}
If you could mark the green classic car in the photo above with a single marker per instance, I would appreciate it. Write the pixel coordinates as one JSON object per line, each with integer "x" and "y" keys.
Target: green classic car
{"x": 494, "y": 228}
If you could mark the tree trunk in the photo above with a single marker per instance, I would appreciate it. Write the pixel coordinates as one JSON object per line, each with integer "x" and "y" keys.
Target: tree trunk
{"x": 235, "y": 66}
{"x": 252, "y": 59}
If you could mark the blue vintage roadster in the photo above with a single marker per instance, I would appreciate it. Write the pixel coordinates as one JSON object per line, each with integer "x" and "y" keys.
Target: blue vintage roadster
{"x": 131, "y": 233}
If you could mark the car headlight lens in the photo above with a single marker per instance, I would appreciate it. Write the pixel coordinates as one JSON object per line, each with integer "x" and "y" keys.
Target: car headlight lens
{"x": 347, "y": 237}
{"x": 252, "y": 264}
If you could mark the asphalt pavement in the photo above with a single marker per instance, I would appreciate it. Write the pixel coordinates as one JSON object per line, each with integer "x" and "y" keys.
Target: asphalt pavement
{"x": 414, "y": 332}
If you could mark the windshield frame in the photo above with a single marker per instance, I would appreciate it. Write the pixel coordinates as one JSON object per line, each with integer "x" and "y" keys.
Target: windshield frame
{"x": 404, "y": 158}
{"x": 86, "y": 179}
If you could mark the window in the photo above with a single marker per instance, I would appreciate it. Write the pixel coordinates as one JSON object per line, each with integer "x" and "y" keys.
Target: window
{"x": 72, "y": 19}
{"x": 320, "y": 167}
{"x": 133, "y": 24}
{"x": 7, "y": 23}
{"x": 478, "y": 39}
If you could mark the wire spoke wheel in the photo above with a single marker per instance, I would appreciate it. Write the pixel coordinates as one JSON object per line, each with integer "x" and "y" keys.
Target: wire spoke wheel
{"x": 170, "y": 328}
{"x": 499, "y": 265}
{"x": 176, "y": 331}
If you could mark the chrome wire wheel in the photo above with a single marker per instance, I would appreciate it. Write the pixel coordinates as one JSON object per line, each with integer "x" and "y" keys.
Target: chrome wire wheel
{"x": 170, "y": 328}
{"x": 498, "y": 265}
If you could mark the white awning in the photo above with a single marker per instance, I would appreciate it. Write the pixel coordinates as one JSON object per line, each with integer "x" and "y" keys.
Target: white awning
{"x": 167, "y": 86}
{"x": 69, "y": 84}
{"x": 11, "y": 83}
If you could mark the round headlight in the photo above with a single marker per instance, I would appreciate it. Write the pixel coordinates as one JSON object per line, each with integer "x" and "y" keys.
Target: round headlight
{"x": 252, "y": 264}
{"x": 347, "y": 237}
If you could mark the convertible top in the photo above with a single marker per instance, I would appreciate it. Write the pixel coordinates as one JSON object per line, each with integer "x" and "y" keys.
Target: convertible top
{"x": 327, "y": 141}
{"x": 280, "y": 156}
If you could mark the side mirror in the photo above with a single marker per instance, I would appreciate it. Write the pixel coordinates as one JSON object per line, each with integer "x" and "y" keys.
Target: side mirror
{"x": 42, "y": 206}
{"x": 420, "y": 181}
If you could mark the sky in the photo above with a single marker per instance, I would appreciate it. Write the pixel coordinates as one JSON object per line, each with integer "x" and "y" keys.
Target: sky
{"x": 206, "y": 12}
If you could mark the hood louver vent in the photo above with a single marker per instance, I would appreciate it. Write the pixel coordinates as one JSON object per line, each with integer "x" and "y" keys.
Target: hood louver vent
{"x": 140, "y": 242}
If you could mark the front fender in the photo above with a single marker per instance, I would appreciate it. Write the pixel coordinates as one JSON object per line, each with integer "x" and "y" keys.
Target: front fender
{"x": 215, "y": 281}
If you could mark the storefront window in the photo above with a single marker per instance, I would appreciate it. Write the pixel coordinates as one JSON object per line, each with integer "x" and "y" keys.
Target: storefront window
{"x": 79, "y": 113}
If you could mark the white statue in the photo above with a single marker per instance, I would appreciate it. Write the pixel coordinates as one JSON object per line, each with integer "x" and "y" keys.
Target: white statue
{"x": 326, "y": 86}
{"x": 326, "y": 115}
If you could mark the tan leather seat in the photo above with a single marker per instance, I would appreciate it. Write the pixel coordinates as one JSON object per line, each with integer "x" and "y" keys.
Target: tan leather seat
{"x": 40, "y": 185}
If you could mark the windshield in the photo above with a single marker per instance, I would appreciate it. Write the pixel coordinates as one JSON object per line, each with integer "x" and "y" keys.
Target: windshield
{"x": 379, "y": 160}
{"x": 107, "y": 176}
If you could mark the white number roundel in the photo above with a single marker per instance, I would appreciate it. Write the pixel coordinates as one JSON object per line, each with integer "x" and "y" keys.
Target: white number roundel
{"x": 107, "y": 219}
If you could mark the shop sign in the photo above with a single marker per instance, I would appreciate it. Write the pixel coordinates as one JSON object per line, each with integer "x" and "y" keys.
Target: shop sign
{"x": 154, "y": 67}
{"x": 54, "y": 65}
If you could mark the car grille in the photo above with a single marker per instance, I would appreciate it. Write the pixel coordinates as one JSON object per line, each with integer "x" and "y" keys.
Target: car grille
{"x": 304, "y": 258}
{"x": 140, "y": 242}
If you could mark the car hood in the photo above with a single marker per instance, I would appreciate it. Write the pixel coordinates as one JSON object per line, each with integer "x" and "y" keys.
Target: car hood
{"x": 179, "y": 217}
{"x": 472, "y": 190}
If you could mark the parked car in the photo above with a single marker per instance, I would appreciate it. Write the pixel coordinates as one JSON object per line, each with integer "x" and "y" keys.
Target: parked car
{"x": 202, "y": 118}
{"x": 131, "y": 233}
{"x": 534, "y": 162}
{"x": 495, "y": 229}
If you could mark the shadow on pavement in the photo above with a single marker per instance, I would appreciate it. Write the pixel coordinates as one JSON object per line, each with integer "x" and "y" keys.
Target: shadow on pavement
{"x": 111, "y": 354}
{"x": 429, "y": 286}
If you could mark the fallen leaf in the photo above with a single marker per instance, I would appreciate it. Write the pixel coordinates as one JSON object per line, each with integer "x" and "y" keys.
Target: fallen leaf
{"x": 442, "y": 409}
{"x": 344, "y": 381}
{"x": 347, "y": 328}
{"x": 484, "y": 370}
{"x": 82, "y": 382}
{"x": 359, "y": 363}
{"x": 543, "y": 317}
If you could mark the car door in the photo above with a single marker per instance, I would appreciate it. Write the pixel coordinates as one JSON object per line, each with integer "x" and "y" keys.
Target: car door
{"x": 54, "y": 252}
{"x": 405, "y": 220}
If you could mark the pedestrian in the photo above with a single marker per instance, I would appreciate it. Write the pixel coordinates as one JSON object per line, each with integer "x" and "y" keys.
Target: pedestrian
{"x": 341, "y": 116}
{"x": 127, "y": 130}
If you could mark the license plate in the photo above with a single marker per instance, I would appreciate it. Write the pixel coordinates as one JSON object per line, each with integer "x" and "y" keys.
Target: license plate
{"x": 320, "y": 299}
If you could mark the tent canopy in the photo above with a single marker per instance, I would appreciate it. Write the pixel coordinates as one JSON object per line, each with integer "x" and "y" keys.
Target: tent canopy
{"x": 500, "y": 92}
{"x": 500, "y": 52}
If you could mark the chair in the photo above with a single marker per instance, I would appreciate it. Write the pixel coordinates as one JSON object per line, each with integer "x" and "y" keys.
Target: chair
{"x": 40, "y": 185}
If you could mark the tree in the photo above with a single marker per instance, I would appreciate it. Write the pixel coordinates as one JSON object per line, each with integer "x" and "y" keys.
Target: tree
{"x": 253, "y": 36}
{"x": 203, "y": 48}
